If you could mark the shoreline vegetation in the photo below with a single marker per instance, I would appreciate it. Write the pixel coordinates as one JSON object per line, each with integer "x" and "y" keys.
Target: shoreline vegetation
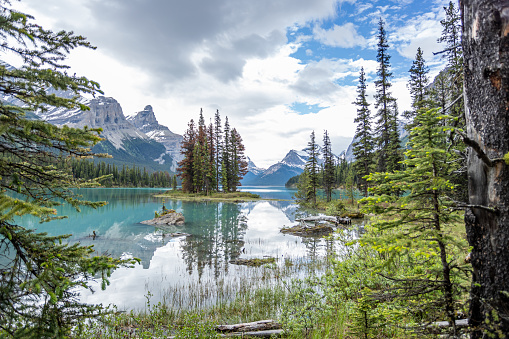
{"x": 233, "y": 197}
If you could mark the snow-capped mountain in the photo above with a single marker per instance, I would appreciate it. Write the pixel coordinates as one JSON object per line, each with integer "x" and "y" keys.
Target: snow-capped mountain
{"x": 278, "y": 174}
{"x": 146, "y": 122}
{"x": 126, "y": 143}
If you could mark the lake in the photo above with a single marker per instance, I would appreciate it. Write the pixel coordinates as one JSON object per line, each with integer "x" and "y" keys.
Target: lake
{"x": 187, "y": 271}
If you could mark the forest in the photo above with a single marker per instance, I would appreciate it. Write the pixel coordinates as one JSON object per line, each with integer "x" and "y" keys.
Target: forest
{"x": 109, "y": 175}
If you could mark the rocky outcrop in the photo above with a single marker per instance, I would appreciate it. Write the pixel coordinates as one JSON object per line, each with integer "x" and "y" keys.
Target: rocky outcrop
{"x": 174, "y": 218}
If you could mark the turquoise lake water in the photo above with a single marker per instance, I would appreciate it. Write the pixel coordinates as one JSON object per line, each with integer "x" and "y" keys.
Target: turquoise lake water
{"x": 170, "y": 266}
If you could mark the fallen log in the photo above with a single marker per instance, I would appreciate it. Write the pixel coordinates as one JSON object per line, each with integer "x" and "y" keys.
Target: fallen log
{"x": 258, "y": 334}
{"x": 248, "y": 327}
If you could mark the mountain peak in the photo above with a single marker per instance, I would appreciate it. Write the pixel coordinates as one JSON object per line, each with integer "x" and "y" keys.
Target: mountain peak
{"x": 146, "y": 120}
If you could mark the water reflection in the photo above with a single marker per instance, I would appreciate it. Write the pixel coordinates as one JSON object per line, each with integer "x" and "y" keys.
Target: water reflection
{"x": 219, "y": 233}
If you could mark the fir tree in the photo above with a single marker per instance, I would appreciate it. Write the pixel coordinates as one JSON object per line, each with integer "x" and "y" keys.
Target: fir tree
{"x": 226, "y": 164}
{"x": 363, "y": 146}
{"x": 186, "y": 168}
{"x": 312, "y": 169}
{"x": 212, "y": 163}
{"x": 40, "y": 273}
{"x": 328, "y": 166}
{"x": 238, "y": 160}
{"x": 387, "y": 140}
{"x": 415, "y": 226}
{"x": 417, "y": 85}
{"x": 218, "y": 142}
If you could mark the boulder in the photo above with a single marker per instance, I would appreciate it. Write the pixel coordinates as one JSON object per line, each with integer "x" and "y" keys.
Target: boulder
{"x": 167, "y": 219}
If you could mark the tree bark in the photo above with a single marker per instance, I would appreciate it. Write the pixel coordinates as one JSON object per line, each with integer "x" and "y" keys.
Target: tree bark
{"x": 486, "y": 60}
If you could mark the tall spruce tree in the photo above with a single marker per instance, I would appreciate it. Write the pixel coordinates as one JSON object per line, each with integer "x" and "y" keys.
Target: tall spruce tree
{"x": 416, "y": 227}
{"x": 40, "y": 274}
{"x": 417, "y": 85}
{"x": 328, "y": 166}
{"x": 226, "y": 164}
{"x": 387, "y": 137}
{"x": 312, "y": 169}
{"x": 238, "y": 159}
{"x": 218, "y": 142}
{"x": 212, "y": 163}
{"x": 364, "y": 145}
{"x": 186, "y": 167}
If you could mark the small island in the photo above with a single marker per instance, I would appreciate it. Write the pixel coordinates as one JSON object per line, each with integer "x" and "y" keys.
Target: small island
{"x": 234, "y": 197}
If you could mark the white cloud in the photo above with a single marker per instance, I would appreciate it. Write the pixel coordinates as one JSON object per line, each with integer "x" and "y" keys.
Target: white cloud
{"x": 345, "y": 36}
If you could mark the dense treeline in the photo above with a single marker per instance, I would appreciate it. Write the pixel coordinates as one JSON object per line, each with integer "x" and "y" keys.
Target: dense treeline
{"x": 213, "y": 157}
{"x": 124, "y": 177}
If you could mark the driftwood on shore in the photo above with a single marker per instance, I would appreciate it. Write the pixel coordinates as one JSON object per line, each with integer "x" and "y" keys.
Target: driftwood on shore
{"x": 257, "y": 329}
{"x": 334, "y": 220}
{"x": 250, "y": 327}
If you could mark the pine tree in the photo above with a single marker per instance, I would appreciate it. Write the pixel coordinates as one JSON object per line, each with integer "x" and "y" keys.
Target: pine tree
{"x": 363, "y": 147}
{"x": 40, "y": 273}
{"x": 416, "y": 227}
{"x": 218, "y": 142}
{"x": 212, "y": 163}
{"x": 417, "y": 85}
{"x": 328, "y": 167}
{"x": 186, "y": 168}
{"x": 312, "y": 169}
{"x": 226, "y": 163}
{"x": 238, "y": 159}
{"x": 388, "y": 144}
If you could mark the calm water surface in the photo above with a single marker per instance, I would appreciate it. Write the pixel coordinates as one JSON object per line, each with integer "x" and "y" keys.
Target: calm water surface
{"x": 170, "y": 266}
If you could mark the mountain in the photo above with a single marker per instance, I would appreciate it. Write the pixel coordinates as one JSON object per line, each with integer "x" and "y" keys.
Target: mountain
{"x": 146, "y": 122}
{"x": 278, "y": 174}
{"x": 125, "y": 142}
{"x": 252, "y": 171}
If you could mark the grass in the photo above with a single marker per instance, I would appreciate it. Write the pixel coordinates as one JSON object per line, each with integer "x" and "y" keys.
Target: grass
{"x": 257, "y": 293}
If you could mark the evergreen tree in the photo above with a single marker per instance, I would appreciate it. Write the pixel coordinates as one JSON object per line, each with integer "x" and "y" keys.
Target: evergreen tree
{"x": 238, "y": 159}
{"x": 328, "y": 167}
{"x": 417, "y": 85}
{"x": 363, "y": 146}
{"x": 40, "y": 273}
{"x": 218, "y": 142}
{"x": 226, "y": 164}
{"x": 386, "y": 129}
{"x": 186, "y": 168}
{"x": 415, "y": 227}
{"x": 312, "y": 169}
{"x": 212, "y": 163}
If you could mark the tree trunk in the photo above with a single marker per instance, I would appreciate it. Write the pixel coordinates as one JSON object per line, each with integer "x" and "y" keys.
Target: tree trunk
{"x": 486, "y": 59}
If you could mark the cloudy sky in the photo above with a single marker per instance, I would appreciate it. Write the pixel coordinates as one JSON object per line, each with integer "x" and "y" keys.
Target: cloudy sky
{"x": 278, "y": 69}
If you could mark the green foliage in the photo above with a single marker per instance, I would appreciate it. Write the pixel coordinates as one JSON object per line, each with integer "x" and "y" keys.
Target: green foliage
{"x": 113, "y": 177}
{"x": 304, "y": 307}
{"x": 416, "y": 227}
{"x": 363, "y": 147}
{"x": 41, "y": 275}
{"x": 209, "y": 161}
{"x": 386, "y": 131}
{"x": 335, "y": 208}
